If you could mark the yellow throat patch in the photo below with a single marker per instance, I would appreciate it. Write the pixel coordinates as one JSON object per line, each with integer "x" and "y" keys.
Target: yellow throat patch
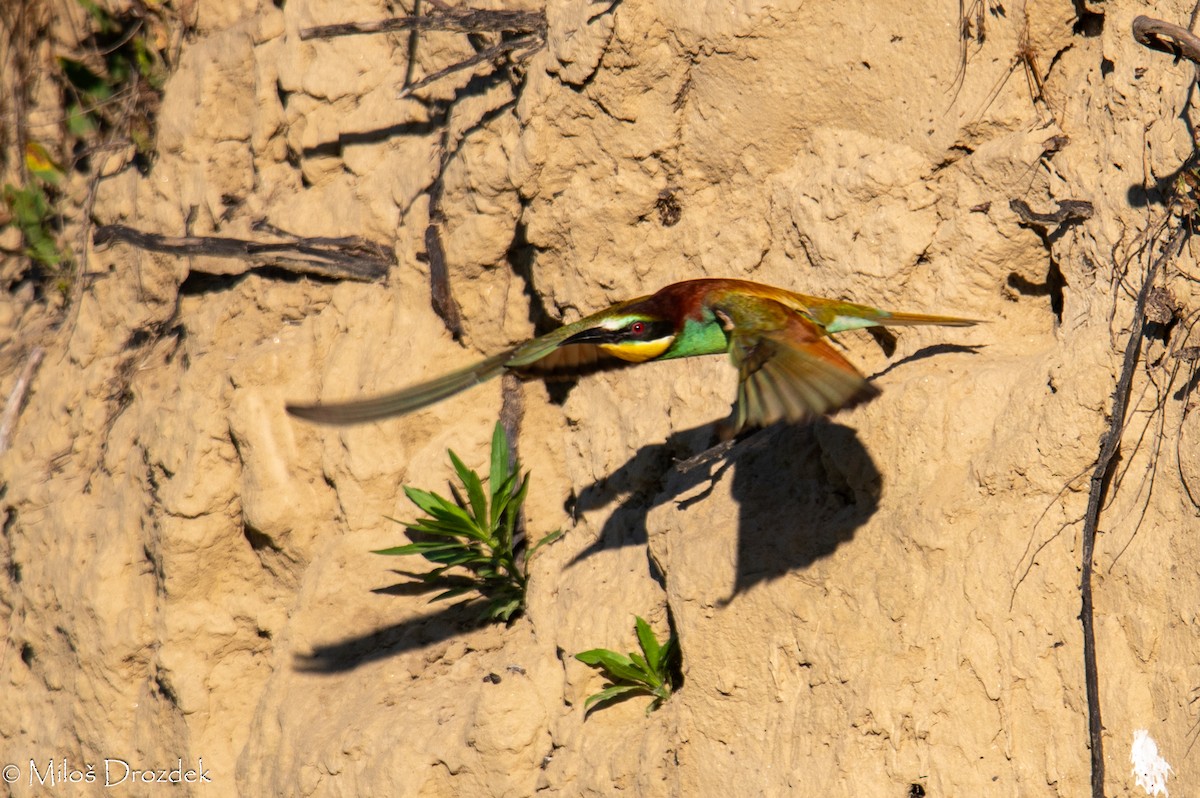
{"x": 638, "y": 351}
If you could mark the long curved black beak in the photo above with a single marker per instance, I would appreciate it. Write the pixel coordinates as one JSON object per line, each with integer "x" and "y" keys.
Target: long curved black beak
{"x": 594, "y": 335}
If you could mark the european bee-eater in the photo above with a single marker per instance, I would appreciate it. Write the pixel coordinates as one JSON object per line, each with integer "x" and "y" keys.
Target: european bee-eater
{"x": 787, "y": 371}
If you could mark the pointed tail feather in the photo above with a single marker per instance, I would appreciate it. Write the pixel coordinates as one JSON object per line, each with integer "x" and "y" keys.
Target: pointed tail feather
{"x": 405, "y": 401}
{"x": 836, "y": 316}
{"x": 898, "y": 319}
{"x": 855, "y": 318}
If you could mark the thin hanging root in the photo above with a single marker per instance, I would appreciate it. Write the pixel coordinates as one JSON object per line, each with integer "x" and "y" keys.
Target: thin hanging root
{"x": 1025, "y": 57}
{"x": 972, "y": 22}
{"x": 465, "y": 20}
{"x": 1101, "y": 479}
{"x": 1191, "y": 356}
{"x": 522, "y": 48}
{"x": 1150, "y": 475}
{"x": 1033, "y": 557}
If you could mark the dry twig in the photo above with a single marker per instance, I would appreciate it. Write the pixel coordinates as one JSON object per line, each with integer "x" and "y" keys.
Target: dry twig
{"x": 459, "y": 20}
{"x": 350, "y": 258}
{"x": 521, "y": 48}
{"x": 16, "y": 397}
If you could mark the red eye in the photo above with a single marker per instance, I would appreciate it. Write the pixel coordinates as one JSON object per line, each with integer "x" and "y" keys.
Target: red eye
{"x": 637, "y": 328}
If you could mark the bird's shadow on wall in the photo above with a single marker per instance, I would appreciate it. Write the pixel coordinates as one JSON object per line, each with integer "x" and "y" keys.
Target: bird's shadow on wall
{"x": 801, "y": 491}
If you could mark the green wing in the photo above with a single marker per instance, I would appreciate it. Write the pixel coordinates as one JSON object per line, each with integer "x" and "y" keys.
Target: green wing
{"x": 791, "y": 374}
{"x": 406, "y": 401}
{"x": 540, "y": 357}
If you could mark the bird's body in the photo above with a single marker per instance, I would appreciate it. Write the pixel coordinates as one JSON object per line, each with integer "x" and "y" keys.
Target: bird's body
{"x": 787, "y": 371}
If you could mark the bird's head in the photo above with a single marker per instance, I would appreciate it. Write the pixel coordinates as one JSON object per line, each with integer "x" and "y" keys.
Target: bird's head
{"x": 635, "y": 337}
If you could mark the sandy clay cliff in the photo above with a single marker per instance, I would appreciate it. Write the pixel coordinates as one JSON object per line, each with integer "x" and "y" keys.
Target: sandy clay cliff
{"x": 882, "y": 604}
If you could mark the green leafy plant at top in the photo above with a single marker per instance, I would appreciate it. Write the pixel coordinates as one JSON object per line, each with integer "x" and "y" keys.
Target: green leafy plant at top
{"x": 472, "y": 540}
{"x": 123, "y": 63}
{"x": 31, "y": 209}
{"x": 33, "y": 216}
{"x": 653, "y": 672}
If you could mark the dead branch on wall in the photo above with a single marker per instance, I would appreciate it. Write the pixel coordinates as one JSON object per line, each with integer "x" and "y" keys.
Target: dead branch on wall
{"x": 350, "y": 258}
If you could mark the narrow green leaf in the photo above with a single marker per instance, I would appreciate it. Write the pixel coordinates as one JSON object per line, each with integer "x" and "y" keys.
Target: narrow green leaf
{"x": 412, "y": 548}
{"x": 602, "y": 656}
{"x": 611, "y": 692}
{"x": 519, "y": 498}
{"x": 436, "y": 505}
{"x": 631, "y": 675}
{"x": 448, "y": 526}
{"x": 457, "y": 591}
{"x": 617, "y": 665}
{"x": 450, "y": 513}
{"x": 506, "y": 610}
{"x": 456, "y": 556}
{"x": 649, "y": 643}
{"x": 453, "y": 519}
{"x": 78, "y": 122}
{"x": 442, "y": 527}
{"x": 668, "y": 652}
{"x": 428, "y": 527}
{"x": 474, "y": 486}
{"x": 500, "y": 502}
{"x": 512, "y": 508}
{"x": 422, "y": 498}
{"x": 498, "y": 473}
{"x": 646, "y": 675}
{"x": 545, "y": 541}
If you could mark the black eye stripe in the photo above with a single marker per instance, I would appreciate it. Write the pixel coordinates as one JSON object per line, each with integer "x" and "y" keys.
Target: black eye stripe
{"x": 648, "y": 330}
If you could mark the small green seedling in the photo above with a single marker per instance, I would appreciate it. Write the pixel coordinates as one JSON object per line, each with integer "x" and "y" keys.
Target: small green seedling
{"x": 471, "y": 540}
{"x": 33, "y": 214}
{"x": 650, "y": 672}
{"x": 31, "y": 207}
{"x": 118, "y": 83}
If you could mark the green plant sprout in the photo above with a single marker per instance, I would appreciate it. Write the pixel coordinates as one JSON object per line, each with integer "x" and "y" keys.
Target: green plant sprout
{"x": 31, "y": 213}
{"x": 651, "y": 672}
{"x": 472, "y": 541}
{"x": 31, "y": 209}
{"x": 118, "y": 82}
